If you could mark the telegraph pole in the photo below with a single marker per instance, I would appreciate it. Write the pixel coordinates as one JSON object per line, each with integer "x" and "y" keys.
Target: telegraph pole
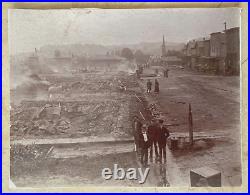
{"x": 190, "y": 122}
{"x": 225, "y": 25}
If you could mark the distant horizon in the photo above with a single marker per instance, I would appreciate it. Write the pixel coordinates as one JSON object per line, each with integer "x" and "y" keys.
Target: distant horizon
{"x": 29, "y": 29}
{"x": 96, "y": 44}
{"x": 113, "y": 45}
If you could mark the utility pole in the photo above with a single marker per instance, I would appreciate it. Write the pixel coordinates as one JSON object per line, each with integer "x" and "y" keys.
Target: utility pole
{"x": 190, "y": 123}
{"x": 225, "y": 25}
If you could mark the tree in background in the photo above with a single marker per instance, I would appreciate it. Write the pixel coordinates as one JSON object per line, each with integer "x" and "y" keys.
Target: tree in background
{"x": 140, "y": 57}
{"x": 174, "y": 53}
{"x": 127, "y": 53}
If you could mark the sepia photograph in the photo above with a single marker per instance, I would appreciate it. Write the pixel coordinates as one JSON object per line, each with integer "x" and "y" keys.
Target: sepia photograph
{"x": 125, "y": 97}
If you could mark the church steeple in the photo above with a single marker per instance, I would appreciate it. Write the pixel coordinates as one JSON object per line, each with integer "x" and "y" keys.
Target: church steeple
{"x": 163, "y": 51}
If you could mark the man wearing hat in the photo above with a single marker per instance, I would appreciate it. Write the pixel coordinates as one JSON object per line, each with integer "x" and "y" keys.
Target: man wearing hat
{"x": 163, "y": 134}
{"x": 152, "y": 132}
{"x": 137, "y": 125}
{"x": 149, "y": 85}
{"x": 144, "y": 145}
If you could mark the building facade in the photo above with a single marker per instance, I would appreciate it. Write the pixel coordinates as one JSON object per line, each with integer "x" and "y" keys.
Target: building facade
{"x": 219, "y": 54}
{"x": 232, "y": 59}
{"x": 203, "y": 47}
{"x": 218, "y": 45}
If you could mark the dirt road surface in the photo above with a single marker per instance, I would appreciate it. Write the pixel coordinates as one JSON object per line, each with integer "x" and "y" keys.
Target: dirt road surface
{"x": 215, "y": 102}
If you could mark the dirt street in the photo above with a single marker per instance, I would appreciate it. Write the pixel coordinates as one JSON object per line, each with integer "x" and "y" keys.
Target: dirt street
{"x": 215, "y": 102}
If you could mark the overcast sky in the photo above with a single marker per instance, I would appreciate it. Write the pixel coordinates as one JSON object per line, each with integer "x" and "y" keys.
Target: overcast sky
{"x": 34, "y": 28}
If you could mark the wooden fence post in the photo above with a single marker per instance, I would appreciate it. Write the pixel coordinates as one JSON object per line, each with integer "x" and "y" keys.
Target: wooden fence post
{"x": 190, "y": 122}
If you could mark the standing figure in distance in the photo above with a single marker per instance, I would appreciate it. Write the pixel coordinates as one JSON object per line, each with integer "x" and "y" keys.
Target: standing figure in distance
{"x": 166, "y": 73}
{"x": 149, "y": 86}
{"x": 157, "y": 87}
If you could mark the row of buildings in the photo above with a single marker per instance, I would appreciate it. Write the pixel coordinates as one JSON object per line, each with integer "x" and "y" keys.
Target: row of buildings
{"x": 219, "y": 53}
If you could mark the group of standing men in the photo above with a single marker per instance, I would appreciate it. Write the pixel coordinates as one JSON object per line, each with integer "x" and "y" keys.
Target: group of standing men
{"x": 149, "y": 86}
{"x": 150, "y": 138}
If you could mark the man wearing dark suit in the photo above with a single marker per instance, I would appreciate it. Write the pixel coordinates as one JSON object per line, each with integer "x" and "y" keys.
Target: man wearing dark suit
{"x": 163, "y": 134}
{"x": 144, "y": 145}
{"x": 157, "y": 86}
{"x": 152, "y": 132}
{"x": 137, "y": 125}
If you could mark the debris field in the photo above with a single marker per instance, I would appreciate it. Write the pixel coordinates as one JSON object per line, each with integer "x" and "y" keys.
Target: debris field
{"x": 89, "y": 104}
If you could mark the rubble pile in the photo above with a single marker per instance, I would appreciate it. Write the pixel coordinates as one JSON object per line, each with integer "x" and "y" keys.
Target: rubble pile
{"x": 99, "y": 83}
{"x": 74, "y": 85}
{"x": 60, "y": 78}
{"x": 74, "y": 118}
{"x": 94, "y": 114}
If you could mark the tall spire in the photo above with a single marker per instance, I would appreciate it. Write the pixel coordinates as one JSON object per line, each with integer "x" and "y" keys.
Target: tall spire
{"x": 163, "y": 52}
